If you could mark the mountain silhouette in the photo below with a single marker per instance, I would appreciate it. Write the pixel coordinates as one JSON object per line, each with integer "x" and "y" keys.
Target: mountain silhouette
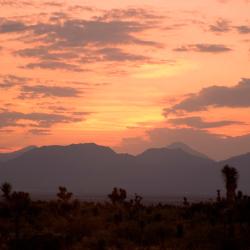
{"x": 187, "y": 149}
{"x": 93, "y": 169}
{"x": 15, "y": 154}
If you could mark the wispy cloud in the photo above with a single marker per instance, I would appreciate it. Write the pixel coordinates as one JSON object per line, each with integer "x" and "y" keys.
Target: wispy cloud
{"x": 221, "y": 26}
{"x": 130, "y": 13}
{"x": 39, "y": 132}
{"x": 54, "y": 65}
{"x": 39, "y": 91}
{"x": 206, "y": 48}
{"x": 10, "y": 26}
{"x": 40, "y": 120}
{"x": 243, "y": 29}
{"x": 199, "y": 123}
{"x": 9, "y": 81}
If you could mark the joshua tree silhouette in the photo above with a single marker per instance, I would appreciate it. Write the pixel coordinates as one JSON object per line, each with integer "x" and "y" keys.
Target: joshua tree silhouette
{"x": 63, "y": 194}
{"x": 231, "y": 176}
{"x": 6, "y": 188}
{"x": 118, "y": 195}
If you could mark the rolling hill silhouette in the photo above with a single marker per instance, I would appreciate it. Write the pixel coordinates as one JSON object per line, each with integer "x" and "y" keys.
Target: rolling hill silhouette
{"x": 93, "y": 169}
{"x": 15, "y": 154}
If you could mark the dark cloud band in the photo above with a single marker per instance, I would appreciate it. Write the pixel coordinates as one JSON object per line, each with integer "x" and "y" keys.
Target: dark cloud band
{"x": 216, "y": 96}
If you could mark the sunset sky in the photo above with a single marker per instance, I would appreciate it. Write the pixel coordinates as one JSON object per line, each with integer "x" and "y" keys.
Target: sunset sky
{"x": 126, "y": 74}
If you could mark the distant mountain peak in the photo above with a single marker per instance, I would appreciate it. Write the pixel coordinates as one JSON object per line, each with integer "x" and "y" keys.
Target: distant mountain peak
{"x": 184, "y": 147}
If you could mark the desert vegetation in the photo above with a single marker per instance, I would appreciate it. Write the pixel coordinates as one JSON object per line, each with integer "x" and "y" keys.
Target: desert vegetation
{"x": 125, "y": 223}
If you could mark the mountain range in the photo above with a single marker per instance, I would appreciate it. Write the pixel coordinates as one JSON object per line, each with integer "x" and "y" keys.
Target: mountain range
{"x": 93, "y": 169}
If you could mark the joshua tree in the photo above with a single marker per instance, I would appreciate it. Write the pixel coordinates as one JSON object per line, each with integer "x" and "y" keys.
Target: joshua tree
{"x": 6, "y": 188}
{"x": 63, "y": 194}
{"x": 118, "y": 195}
{"x": 231, "y": 176}
{"x": 185, "y": 202}
{"x": 137, "y": 200}
{"x": 218, "y": 195}
{"x": 239, "y": 195}
{"x": 20, "y": 204}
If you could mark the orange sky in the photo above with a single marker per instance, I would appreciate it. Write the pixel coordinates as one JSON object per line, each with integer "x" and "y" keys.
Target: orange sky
{"x": 102, "y": 72}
